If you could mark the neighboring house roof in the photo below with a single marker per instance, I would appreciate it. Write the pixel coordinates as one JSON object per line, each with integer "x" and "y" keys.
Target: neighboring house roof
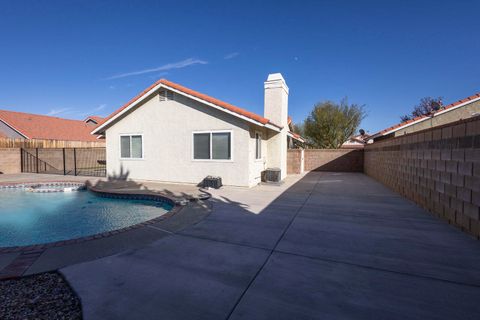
{"x": 34, "y": 126}
{"x": 452, "y": 106}
{"x": 210, "y": 101}
{"x": 295, "y": 136}
{"x": 96, "y": 119}
{"x": 357, "y": 141}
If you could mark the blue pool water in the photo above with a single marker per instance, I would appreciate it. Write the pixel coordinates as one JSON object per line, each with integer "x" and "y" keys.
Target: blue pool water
{"x": 28, "y": 218}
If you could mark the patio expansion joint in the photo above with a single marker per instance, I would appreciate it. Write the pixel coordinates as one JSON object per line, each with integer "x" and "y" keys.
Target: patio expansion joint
{"x": 273, "y": 249}
{"x": 221, "y": 241}
{"x": 160, "y": 229}
{"x": 379, "y": 269}
{"x": 328, "y": 260}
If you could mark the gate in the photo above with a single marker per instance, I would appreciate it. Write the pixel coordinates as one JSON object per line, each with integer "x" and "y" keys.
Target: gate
{"x": 65, "y": 161}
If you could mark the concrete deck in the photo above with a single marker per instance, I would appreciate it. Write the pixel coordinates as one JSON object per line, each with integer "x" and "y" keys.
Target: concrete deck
{"x": 320, "y": 246}
{"x": 169, "y": 189}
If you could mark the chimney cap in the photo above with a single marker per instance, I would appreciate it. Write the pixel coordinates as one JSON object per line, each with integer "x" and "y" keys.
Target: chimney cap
{"x": 275, "y": 77}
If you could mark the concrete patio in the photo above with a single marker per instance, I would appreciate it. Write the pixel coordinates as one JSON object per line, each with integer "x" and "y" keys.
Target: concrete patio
{"x": 320, "y": 246}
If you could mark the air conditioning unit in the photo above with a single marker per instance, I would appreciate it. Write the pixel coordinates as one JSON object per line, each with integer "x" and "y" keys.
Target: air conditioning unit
{"x": 212, "y": 182}
{"x": 271, "y": 175}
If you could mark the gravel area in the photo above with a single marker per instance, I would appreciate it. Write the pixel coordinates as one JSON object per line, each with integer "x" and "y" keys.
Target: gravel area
{"x": 41, "y": 296}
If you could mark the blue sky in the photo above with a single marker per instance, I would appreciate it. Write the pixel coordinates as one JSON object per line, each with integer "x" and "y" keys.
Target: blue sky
{"x": 73, "y": 58}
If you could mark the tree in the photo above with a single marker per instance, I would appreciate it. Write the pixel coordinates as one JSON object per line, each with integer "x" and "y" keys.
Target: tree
{"x": 330, "y": 124}
{"x": 427, "y": 106}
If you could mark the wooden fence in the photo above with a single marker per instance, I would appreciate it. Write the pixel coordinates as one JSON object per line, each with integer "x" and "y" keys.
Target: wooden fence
{"x": 36, "y": 143}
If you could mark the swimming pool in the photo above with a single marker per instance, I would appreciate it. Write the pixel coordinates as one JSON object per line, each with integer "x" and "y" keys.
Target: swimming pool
{"x": 29, "y": 218}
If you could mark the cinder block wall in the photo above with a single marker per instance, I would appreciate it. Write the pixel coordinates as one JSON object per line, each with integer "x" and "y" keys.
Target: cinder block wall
{"x": 438, "y": 168}
{"x": 294, "y": 161}
{"x": 346, "y": 160}
{"x": 10, "y": 160}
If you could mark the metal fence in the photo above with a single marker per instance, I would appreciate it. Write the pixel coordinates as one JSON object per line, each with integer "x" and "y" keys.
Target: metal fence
{"x": 65, "y": 161}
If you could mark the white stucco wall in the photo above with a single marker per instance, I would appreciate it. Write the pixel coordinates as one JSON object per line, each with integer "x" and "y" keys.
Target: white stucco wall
{"x": 167, "y": 128}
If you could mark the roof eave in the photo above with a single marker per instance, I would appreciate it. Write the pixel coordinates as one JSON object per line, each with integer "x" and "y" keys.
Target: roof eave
{"x": 298, "y": 138}
{"x": 15, "y": 129}
{"x": 100, "y": 128}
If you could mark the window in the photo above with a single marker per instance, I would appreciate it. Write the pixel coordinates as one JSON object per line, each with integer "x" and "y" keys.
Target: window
{"x": 165, "y": 95}
{"x": 201, "y": 146}
{"x": 131, "y": 147}
{"x": 212, "y": 146}
{"x": 258, "y": 145}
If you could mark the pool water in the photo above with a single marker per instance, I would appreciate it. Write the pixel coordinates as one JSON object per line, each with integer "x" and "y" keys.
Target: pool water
{"x": 28, "y": 218}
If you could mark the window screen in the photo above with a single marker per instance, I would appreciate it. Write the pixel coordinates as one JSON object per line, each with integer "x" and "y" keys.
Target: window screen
{"x": 125, "y": 146}
{"x": 201, "y": 146}
{"x": 221, "y": 145}
{"x": 131, "y": 147}
{"x": 212, "y": 146}
{"x": 258, "y": 146}
{"x": 136, "y": 145}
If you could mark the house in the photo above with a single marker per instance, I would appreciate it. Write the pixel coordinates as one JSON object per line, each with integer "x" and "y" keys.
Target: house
{"x": 358, "y": 141}
{"x": 461, "y": 109}
{"x": 93, "y": 120}
{"x": 294, "y": 140}
{"x": 33, "y": 126}
{"x": 171, "y": 133}
{"x": 354, "y": 142}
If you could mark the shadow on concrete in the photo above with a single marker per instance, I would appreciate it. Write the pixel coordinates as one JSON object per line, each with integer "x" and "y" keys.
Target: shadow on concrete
{"x": 335, "y": 245}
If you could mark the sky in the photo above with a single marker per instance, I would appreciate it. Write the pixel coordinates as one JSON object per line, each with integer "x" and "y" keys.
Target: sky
{"x": 77, "y": 58}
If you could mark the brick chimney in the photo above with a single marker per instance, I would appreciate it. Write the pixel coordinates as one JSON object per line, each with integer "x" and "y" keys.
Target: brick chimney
{"x": 276, "y": 110}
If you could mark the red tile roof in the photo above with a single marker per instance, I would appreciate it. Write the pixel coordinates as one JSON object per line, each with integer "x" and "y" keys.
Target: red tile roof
{"x": 36, "y": 126}
{"x": 452, "y": 105}
{"x": 198, "y": 95}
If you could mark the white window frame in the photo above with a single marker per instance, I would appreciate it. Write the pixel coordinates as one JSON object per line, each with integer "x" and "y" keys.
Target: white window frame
{"x": 130, "y": 135}
{"x": 211, "y": 154}
{"x": 261, "y": 147}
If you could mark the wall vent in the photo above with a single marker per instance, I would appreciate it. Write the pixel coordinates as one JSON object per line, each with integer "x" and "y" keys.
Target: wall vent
{"x": 165, "y": 95}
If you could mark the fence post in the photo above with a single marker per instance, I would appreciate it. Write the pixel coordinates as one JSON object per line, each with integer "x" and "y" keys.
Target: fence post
{"x": 64, "y": 168}
{"x": 302, "y": 160}
{"x": 36, "y": 159}
{"x": 21, "y": 160}
{"x": 75, "y": 161}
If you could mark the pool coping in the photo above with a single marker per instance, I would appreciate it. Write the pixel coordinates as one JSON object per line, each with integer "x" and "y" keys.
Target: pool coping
{"x": 110, "y": 194}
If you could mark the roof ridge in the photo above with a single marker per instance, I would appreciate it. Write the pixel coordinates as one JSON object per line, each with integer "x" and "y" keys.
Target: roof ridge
{"x": 37, "y": 126}
{"x": 39, "y": 115}
{"x": 215, "y": 101}
{"x": 202, "y": 96}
